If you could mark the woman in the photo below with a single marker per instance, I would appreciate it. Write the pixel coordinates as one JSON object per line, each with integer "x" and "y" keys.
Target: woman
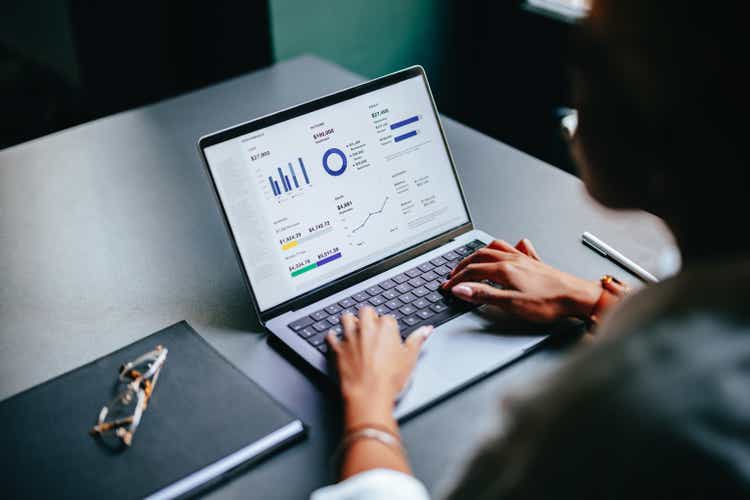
{"x": 660, "y": 404}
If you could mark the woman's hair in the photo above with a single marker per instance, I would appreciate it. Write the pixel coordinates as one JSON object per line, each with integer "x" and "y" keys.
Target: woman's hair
{"x": 663, "y": 86}
{"x": 684, "y": 63}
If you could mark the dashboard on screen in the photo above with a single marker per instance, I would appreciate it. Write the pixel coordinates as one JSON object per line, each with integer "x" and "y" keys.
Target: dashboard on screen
{"x": 321, "y": 195}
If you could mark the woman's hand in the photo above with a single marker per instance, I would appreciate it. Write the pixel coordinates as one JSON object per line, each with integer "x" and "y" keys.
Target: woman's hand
{"x": 531, "y": 289}
{"x": 373, "y": 365}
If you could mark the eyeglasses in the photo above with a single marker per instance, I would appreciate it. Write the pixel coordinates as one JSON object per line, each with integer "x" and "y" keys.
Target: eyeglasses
{"x": 121, "y": 416}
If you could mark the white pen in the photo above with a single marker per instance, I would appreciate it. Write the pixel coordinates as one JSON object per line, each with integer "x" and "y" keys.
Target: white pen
{"x": 627, "y": 264}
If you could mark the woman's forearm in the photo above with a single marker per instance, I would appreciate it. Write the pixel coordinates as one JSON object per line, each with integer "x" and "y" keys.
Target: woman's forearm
{"x": 366, "y": 454}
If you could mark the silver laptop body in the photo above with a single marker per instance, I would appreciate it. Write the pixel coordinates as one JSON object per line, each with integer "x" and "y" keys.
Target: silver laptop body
{"x": 350, "y": 200}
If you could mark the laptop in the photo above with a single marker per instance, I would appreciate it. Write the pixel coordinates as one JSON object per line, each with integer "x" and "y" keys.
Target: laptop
{"x": 349, "y": 200}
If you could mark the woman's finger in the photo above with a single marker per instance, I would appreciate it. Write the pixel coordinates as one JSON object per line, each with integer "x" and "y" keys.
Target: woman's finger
{"x": 525, "y": 246}
{"x": 367, "y": 320}
{"x": 388, "y": 325}
{"x": 480, "y": 293}
{"x": 495, "y": 271}
{"x": 502, "y": 246}
{"x": 349, "y": 323}
{"x": 415, "y": 341}
{"x": 333, "y": 341}
{"x": 481, "y": 256}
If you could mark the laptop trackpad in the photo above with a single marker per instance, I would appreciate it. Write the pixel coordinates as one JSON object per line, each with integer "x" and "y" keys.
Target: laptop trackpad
{"x": 464, "y": 349}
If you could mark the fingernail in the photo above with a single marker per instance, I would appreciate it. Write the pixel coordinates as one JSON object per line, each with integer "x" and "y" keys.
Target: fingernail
{"x": 425, "y": 331}
{"x": 462, "y": 291}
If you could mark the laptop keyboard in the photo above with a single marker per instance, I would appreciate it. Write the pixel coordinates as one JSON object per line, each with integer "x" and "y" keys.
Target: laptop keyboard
{"x": 413, "y": 298}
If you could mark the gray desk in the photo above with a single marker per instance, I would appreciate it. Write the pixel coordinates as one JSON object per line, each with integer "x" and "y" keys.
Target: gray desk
{"x": 108, "y": 231}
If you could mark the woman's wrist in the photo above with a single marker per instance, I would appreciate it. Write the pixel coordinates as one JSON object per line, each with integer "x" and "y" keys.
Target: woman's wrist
{"x": 582, "y": 298}
{"x": 369, "y": 409}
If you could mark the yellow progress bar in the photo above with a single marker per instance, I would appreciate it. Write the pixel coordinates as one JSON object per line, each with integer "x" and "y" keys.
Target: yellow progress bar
{"x": 287, "y": 246}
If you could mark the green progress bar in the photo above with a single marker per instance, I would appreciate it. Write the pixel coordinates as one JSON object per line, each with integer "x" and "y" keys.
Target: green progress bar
{"x": 301, "y": 270}
{"x": 321, "y": 262}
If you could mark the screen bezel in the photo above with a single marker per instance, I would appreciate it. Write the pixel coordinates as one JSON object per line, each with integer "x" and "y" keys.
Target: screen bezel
{"x": 372, "y": 269}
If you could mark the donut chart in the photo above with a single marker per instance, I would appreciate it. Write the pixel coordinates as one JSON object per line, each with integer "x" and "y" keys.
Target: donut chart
{"x": 333, "y": 170}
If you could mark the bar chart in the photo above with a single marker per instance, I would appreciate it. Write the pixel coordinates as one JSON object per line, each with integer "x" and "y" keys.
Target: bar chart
{"x": 287, "y": 179}
{"x": 403, "y": 123}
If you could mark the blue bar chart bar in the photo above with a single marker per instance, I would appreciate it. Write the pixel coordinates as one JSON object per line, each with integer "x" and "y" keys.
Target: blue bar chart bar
{"x": 405, "y": 122}
{"x": 273, "y": 186}
{"x": 400, "y": 138}
{"x": 281, "y": 178}
{"x": 304, "y": 172}
{"x": 294, "y": 177}
{"x": 278, "y": 190}
{"x": 288, "y": 184}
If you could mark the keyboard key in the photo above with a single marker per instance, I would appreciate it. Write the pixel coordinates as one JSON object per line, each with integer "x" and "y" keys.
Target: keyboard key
{"x": 434, "y": 285}
{"x": 390, "y": 295}
{"x": 425, "y": 314}
{"x": 347, "y": 303}
{"x": 334, "y": 319}
{"x": 403, "y": 288}
{"x": 360, "y": 297}
{"x": 396, "y": 314}
{"x": 361, "y": 305}
{"x": 301, "y": 323}
{"x": 452, "y": 263}
{"x": 374, "y": 290}
{"x": 349, "y": 310}
{"x": 421, "y": 303}
{"x": 417, "y": 281}
{"x": 411, "y": 320}
{"x": 393, "y": 304}
{"x": 464, "y": 251}
{"x": 443, "y": 270}
{"x": 434, "y": 297}
{"x": 438, "y": 262}
{"x": 388, "y": 284}
{"x": 413, "y": 273}
{"x": 332, "y": 309}
{"x": 420, "y": 292}
{"x": 451, "y": 256}
{"x": 376, "y": 301}
{"x": 322, "y": 326}
{"x": 400, "y": 278}
{"x": 323, "y": 348}
{"x": 407, "y": 297}
{"x": 307, "y": 332}
{"x": 426, "y": 267}
{"x": 318, "y": 339}
{"x": 382, "y": 310}
{"x": 319, "y": 315}
{"x": 476, "y": 245}
{"x": 408, "y": 309}
{"x": 432, "y": 275}
{"x": 438, "y": 307}
{"x": 338, "y": 329}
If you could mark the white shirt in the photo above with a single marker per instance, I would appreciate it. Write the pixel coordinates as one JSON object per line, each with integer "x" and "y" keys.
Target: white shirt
{"x": 376, "y": 484}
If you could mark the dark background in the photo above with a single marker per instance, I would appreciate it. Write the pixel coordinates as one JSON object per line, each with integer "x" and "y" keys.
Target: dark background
{"x": 492, "y": 64}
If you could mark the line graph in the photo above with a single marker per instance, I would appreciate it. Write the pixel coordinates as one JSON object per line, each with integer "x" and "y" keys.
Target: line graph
{"x": 377, "y": 212}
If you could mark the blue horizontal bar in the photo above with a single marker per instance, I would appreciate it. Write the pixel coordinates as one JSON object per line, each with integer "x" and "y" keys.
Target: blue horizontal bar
{"x": 402, "y": 123}
{"x": 399, "y": 138}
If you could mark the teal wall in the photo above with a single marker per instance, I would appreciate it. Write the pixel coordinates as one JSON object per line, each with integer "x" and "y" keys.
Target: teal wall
{"x": 369, "y": 37}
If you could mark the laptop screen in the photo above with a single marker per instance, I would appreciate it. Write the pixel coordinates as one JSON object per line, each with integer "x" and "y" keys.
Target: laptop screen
{"x": 321, "y": 195}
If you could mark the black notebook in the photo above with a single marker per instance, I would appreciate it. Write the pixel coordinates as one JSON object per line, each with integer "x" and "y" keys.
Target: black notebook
{"x": 204, "y": 419}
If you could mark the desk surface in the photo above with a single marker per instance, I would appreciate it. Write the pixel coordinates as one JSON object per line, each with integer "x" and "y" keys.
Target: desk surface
{"x": 109, "y": 231}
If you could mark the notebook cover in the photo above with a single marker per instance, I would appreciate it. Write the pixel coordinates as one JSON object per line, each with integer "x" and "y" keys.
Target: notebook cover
{"x": 202, "y": 411}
